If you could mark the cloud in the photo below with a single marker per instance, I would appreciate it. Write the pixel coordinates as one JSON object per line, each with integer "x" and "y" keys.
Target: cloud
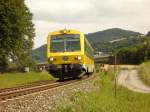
{"x": 88, "y": 15}
{"x": 70, "y": 11}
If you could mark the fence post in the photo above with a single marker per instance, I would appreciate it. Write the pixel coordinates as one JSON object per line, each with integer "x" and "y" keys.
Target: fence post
{"x": 115, "y": 70}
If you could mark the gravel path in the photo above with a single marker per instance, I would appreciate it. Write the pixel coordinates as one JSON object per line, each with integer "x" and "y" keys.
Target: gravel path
{"x": 130, "y": 79}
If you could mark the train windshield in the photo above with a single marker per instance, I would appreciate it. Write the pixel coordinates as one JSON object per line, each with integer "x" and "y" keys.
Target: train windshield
{"x": 65, "y": 43}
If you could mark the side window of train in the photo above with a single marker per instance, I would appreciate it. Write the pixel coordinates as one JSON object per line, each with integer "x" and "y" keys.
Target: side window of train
{"x": 88, "y": 50}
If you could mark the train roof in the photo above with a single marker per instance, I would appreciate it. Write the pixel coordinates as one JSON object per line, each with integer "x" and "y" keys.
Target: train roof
{"x": 65, "y": 31}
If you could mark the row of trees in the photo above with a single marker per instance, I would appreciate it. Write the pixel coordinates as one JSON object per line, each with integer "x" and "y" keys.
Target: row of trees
{"x": 16, "y": 35}
{"x": 135, "y": 54}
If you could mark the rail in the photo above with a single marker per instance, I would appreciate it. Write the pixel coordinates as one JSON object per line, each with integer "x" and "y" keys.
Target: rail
{"x": 10, "y": 93}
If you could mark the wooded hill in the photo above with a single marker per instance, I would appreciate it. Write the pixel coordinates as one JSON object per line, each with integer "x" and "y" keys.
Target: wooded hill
{"x": 101, "y": 41}
{"x": 110, "y": 34}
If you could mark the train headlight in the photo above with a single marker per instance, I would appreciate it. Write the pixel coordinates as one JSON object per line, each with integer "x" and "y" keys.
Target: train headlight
{"x": 51, "y": 59}
{"x": 65, "y": 31}
{"x": 79, "y": 58}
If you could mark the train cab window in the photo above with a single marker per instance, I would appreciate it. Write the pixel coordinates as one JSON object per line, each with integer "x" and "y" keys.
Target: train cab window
{"x": 65, "y": 43}
{"x": 57, "y": 44}
{"x": 73, "y": 43}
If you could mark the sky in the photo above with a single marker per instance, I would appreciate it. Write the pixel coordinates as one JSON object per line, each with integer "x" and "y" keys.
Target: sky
{"x": 88, "y": 16}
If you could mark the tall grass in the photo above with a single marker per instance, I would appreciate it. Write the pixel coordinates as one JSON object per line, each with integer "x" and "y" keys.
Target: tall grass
{"x": 15, "y": 79}
{"x": 103, "y": 100}
{"x": 144, "y": 72}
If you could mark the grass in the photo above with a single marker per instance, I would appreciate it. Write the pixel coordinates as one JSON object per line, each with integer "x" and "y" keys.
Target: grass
{"x": 103, "y": 100}
{"x": 144, "y": 72}
{"x": 16, "y": 79}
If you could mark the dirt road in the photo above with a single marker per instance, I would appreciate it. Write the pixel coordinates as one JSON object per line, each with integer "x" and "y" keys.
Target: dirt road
{"x": 130, "y": 79}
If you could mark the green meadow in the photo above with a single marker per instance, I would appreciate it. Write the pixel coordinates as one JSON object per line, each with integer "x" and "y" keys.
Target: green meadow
{"x": 17, "y": 79}
{"x": 104, "y": 100}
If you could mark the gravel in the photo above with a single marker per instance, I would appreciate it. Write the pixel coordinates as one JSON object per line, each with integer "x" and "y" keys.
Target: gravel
{"x": 130, "y": 79}
{"x": 47, "y": 101}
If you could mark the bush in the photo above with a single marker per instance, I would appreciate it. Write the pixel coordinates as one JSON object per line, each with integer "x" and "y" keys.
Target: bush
{"x": 144, "y": 72}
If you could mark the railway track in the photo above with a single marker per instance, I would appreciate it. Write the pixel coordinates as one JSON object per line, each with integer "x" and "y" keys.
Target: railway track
{"x": 10, "y": 93}
{"x": 25, "y": 86}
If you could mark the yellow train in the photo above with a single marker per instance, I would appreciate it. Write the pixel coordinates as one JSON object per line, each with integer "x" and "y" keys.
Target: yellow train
{"x": 69, "y": 54}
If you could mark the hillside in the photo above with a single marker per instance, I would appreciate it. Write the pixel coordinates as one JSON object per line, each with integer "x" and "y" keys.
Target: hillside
{"x": 117, "y": 44}
{"x": 110, "y": 34}
{"x": 100, "y": 40}
{"x": 39, "y": 54}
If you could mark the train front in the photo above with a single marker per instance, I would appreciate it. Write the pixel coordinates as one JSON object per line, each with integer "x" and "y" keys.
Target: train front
{"x": 65, "y": 53}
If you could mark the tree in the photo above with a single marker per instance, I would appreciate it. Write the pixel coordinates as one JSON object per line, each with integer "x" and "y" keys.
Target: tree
{"x": 16, "y": 33}
{"x": 135, "y": 54}
{"x": 148, "y": 34}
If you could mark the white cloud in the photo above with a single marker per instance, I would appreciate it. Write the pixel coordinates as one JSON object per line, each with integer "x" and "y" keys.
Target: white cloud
{"x": 88, "y": 15}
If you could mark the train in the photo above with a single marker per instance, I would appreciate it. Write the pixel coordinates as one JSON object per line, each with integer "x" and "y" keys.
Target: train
{"x": 69, "y": 54}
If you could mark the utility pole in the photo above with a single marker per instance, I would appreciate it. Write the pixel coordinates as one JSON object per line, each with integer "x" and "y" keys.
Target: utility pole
{"x": 115, "y": 70}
